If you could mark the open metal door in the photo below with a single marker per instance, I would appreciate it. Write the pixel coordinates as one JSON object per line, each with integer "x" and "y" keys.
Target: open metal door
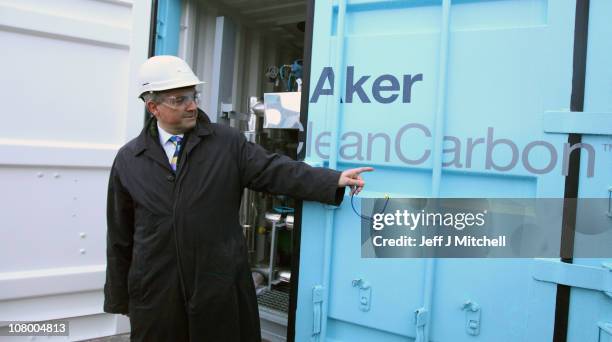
{"x": 446, "y": 99}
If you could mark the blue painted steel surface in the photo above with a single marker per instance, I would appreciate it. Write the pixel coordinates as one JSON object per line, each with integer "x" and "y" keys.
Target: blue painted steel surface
{"x": 591, "y": 310}
{"x": 168, "y": 27}
{"x": 471, "y": 125}
{"x": 578, "y": 122}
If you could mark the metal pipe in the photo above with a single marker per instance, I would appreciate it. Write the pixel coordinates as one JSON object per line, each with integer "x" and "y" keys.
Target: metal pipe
{"x": 272, "y": 255}
{"x": 333, "y": 164}
{"x": 276, "y": 220}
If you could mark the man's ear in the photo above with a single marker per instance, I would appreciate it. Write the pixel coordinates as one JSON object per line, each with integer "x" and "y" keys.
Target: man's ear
{"x": 151, "y": 107}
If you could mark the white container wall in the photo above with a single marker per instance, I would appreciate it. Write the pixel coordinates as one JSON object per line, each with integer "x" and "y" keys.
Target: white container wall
{"x": 69, "y": 102}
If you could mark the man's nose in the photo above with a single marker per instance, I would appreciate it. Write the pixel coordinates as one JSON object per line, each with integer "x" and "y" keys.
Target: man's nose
{"x": 192, "y": 106}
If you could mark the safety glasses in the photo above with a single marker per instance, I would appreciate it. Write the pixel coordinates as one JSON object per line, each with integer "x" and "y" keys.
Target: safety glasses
{"x": 181, "y": 101}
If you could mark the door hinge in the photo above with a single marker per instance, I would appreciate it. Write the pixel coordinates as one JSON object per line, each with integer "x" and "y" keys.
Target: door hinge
{"x": 161, "y": 28}
{"x": 317, "y": 307}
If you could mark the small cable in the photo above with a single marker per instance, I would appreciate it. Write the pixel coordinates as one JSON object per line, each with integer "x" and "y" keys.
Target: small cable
{"x": 367, "y": 217}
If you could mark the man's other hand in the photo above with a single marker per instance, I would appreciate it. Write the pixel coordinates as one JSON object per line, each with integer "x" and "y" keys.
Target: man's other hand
{"x": 353, "y": 179}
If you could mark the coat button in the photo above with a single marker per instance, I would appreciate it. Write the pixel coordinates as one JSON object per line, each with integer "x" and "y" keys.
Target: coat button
{"x": 170, "y": 178}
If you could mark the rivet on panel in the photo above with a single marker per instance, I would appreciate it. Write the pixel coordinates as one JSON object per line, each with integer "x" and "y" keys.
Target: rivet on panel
{"x": 82, "y": 235}
{"x": 82, "y": 251}
{"x": 40, "y": 175}
{"x": 56, "y": 175}
{"x": 73, "y": 215}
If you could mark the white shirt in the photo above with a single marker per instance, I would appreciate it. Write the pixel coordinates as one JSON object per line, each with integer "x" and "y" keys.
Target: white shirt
{"x": 164, "y": 140}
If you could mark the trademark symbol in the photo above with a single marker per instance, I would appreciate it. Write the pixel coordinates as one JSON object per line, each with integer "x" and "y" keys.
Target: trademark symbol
{"x": 607, "y": 147}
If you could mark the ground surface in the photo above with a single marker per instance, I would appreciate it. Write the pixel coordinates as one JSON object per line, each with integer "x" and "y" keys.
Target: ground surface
{"x": 118, "y": 338}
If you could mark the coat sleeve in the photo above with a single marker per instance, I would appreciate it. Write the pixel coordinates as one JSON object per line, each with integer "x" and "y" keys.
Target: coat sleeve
{"x": 277, "y": 174}
{"x": 119, "y": 243}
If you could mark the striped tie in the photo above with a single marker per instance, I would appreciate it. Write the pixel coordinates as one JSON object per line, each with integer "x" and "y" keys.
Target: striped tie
{"x": 176, "y": 140}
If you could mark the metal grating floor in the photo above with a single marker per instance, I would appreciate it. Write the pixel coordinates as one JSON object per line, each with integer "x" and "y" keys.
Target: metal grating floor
{"x": 276, "y": 299}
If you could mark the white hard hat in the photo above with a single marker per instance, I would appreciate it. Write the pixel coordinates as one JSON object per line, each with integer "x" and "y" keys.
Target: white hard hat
{"x": 165, "y": 72}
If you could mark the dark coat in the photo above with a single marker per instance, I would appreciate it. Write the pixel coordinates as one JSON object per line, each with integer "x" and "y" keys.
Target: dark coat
{"x": 158, "y": 220}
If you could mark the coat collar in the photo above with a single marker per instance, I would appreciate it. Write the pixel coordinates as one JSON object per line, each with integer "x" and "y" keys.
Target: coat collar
{"x": 148, "y": 139}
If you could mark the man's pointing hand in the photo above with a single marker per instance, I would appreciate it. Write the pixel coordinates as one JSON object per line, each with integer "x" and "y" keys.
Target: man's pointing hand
{"x": 353, "y": 179}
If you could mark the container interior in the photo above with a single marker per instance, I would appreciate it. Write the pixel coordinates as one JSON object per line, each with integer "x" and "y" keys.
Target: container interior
{"x": 250, "y": 53}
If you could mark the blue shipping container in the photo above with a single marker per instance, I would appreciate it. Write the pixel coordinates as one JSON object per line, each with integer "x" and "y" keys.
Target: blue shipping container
{"x": 459, "y": 71}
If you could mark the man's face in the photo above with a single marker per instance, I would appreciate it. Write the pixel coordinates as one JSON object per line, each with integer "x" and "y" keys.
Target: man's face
{"x": 176, "y": 110}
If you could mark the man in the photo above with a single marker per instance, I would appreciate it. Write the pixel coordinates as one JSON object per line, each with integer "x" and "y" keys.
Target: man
{"x": 176, "y": 258}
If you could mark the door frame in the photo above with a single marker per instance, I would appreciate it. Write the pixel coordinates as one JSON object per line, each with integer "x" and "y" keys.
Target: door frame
{"x": 297, "y": 227}
{"x": 568, "y": 229}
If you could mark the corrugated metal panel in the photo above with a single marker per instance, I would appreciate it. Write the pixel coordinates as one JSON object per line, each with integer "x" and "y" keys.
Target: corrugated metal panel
{"x": 468, "y": 84}
{"x": 69, "y": 85}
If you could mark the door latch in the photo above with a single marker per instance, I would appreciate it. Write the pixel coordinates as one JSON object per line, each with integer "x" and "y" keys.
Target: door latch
{"x": 421, "y": 319}
{"x": 472, "y": 317}
{"x": 365, "y": 293}
{"x": 317, "y": 307}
